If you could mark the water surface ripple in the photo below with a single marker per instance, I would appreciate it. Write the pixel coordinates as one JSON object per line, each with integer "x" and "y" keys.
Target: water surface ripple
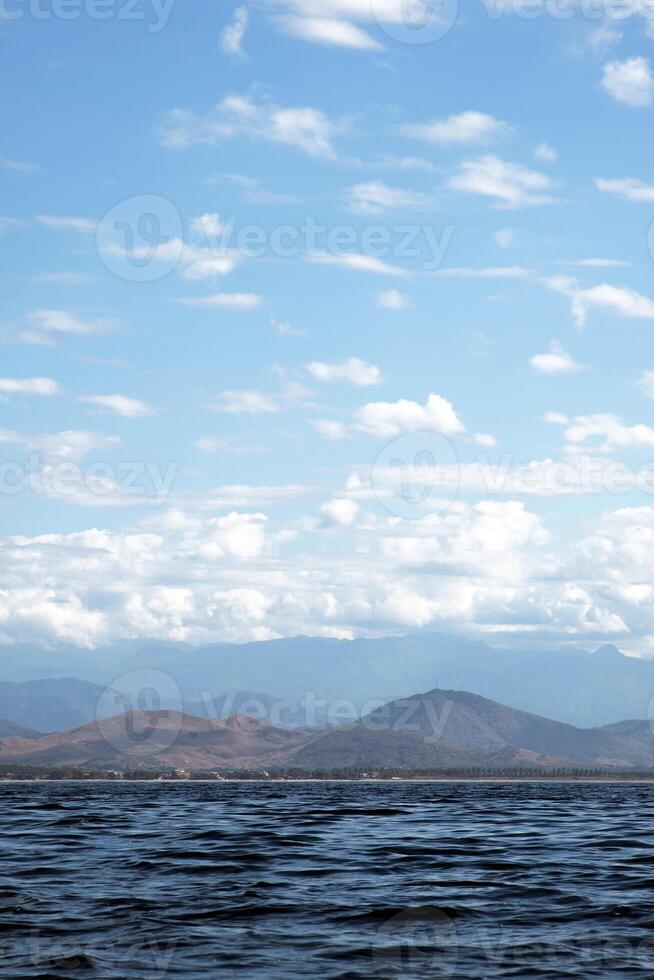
{"x": 333, "y": 880}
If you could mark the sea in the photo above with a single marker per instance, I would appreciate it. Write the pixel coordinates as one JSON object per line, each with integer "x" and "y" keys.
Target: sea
{"x": 326, "y": 879}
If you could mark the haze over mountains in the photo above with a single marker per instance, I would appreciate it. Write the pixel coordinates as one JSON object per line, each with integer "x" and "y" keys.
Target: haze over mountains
{"x": 571, "y": 685}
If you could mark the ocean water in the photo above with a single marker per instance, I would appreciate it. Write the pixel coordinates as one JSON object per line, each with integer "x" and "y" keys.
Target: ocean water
{"x": 331, "y": 880}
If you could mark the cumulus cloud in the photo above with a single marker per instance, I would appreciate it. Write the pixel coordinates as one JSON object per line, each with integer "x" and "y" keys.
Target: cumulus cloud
{"x": 339, "y": 512}
{"x": 306, "y": 129}
{"x": 392, "y": 299}
{"x": 512, "y": 185}
{"x": 615, "y": 299}
{"x": 353, "y": 370}
{"x": 546, "y": 153}
{"x": 629, "y": 82}
{"x": 556, "y": 361}
{"x": 389, "y": 419}
{"x": 607, "y": 433}
{"x": 463, "y": 129}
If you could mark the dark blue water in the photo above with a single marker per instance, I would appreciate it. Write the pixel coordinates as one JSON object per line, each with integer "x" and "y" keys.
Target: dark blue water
{"x": 326, "y": 880}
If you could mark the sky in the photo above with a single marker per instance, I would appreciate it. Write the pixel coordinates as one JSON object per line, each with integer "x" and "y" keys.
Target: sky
{"x": 327, "y": 317}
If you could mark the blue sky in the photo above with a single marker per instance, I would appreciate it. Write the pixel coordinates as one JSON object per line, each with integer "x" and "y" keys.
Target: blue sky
{"x": 211, "y": 414}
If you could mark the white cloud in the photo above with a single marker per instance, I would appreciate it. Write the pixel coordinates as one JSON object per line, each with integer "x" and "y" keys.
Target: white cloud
{"x": 328, "y": 30}
{"x": 253, "y": 192}
{"x": 286, "y": 329}
{"x": 505, "y": 237}
{"x": 225, "y": 301}
{"x": 607, "y": 433}
{"x": 388, "y": 419}
{"x": 9, "y": 224}
{"x": 617, "y": 299}
{"x": 546, "y": 153}
{"x": 231, "y": 445}
{"x": 627, "y": 187}
{"x": 339, "y": 512}
{"x": 331, "y": 430}
{"x": 358, "y": 262}
{"x": 252, "y": 402}
{"x": 557, "y": 361}
{"x": 130, "y": 408}
{"x": 629, "y": 82}
{"x": 231, "y": 37}
{"x": 392, "y": 299}
{"x": 492, "y": 272}
{"x": 29, "y": 386}
{"x": 83, "y": 225}
{"x": 354, "y": 370}
{"x": 484, "y": 439}
{"x": 375, "y": 197}
{"x": 55, "y": 447}
{"x": 64, "y": 322}
{"x": 599, "y": 263}
{"x": 646, "y": 383}
{"x": 208, "y": 225}
{"x": 463, "y": 129}
{"x": 556, "y": 418}
{"x": 309, "y": 130}
{"x": 514, "y": 186}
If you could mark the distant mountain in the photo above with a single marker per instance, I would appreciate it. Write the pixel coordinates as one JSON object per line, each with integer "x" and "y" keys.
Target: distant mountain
{"x": 171, "y": 740}
{"x": 439, "y": 729}
{"x": 12, "y": 728}
{"x": 570, "y": 685}
{"x": 50, "y": 705}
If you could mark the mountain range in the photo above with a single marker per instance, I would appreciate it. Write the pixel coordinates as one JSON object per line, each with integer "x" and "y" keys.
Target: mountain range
{"x": 570, "y": 685}
{"x": 436, "y": 730}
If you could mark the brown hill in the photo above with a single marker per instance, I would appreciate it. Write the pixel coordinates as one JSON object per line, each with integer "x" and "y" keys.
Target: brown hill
{"x": 166, "y": 739}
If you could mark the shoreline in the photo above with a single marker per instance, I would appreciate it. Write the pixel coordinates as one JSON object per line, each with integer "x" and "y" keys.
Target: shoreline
{"x": 445, "y": 779}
